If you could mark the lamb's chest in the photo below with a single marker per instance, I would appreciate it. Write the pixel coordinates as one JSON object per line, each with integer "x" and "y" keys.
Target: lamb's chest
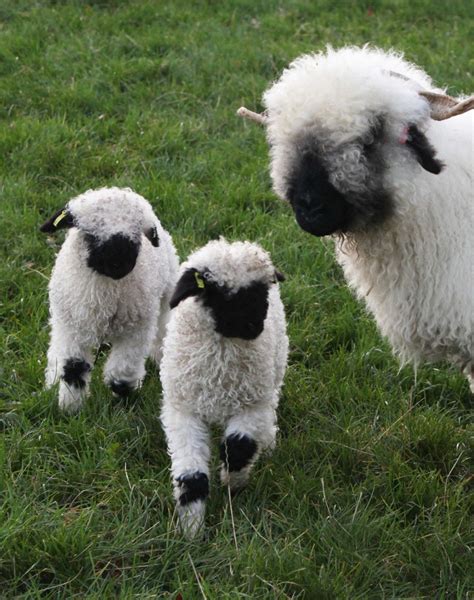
{"x": 222, "y": 378}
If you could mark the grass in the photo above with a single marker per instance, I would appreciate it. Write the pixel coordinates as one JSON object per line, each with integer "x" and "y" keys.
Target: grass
{"x": 369, "y": 492}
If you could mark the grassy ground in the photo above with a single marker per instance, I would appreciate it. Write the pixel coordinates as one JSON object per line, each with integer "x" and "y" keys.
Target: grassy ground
{"x": 369, "y": 493}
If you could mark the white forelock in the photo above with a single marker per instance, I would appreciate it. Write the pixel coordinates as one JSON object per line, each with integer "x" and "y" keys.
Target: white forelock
{"x": 106, "y": 211}
{"x": 234, "y": 264}
{"x": 341, "y": 90}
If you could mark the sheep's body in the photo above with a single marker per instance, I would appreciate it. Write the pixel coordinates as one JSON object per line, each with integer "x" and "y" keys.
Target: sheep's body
{"x": 358, "y": 120}
{"x": 416, "y": 272}
{"x": 88, "y": 308}
{"x": 222, "y": 375}
{"x": 209, "y": 378}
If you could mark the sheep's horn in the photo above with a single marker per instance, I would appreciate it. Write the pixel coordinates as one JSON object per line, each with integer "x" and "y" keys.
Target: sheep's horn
{"x": 252, "y": 116}
{"x": 443, "y": 107}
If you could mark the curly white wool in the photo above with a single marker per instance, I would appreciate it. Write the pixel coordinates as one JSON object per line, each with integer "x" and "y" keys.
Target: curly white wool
{"x": 415, "y": 271}
{"x": 87, "y": 308}
{"x": 208, "y": 378}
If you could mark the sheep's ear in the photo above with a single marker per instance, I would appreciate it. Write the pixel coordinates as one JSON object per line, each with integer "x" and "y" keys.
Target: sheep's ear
{"x": 60, "y": 220}
{"x": 152, "y": 235}
{"x": 191, "y": 283}
{"x": 424, "y": 152}
{"x": 279, "y": 276}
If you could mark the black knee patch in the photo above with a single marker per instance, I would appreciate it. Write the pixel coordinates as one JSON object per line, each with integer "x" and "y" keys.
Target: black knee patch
{"x": 194, "y": 487}
{"x": 121, "y": 388}
{"x": 74, "y": 371}
{"x": 237, "y": 450}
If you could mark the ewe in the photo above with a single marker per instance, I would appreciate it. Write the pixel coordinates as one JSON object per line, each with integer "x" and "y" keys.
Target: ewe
{"x": 112, "y": 281}
{"x": 224, "y": 358}
{"x": 361, "y": 148}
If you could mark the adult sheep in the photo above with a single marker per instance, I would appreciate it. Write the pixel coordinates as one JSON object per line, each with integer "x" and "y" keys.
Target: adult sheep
{"x": 364, "y": 148}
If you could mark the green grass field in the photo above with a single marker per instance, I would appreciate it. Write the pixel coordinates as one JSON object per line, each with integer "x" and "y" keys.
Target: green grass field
{"x": 369, "y": 493}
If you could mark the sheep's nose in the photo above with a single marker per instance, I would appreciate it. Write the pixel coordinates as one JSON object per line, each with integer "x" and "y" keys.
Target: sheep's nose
{"x": 115, "y": 258}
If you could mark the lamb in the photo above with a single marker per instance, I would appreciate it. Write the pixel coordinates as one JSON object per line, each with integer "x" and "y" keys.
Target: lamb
{"x": 354, "y": 139}
{"x": 112, "y": 281}
{"x": 224, "y": 360}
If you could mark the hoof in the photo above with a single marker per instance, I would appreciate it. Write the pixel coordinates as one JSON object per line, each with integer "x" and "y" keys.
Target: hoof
{"x": 121, "y": 388}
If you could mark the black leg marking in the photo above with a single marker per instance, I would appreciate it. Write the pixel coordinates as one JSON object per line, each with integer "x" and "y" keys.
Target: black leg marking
{"x": 194, "y": 487}
{"x": 74, "y": 371}
{"x": 121, "y": 388}
{"x": 237, "y": 450}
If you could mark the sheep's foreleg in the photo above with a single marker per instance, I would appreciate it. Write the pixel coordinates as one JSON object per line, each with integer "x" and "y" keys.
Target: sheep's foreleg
{"x": 70, "y": 364}
{"x": 124, "y": 370}
{"x": 469, "y": 372}
{"x": 247, "y": 434}
{"x": 188, "y": 446}
{"x": 157, "y": 347}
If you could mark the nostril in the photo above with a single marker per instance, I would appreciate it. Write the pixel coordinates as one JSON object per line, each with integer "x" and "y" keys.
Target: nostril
{"x": 311, "y": 213}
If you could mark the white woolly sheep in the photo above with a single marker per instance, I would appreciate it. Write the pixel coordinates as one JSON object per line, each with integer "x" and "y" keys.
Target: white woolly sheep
{"x": 224, "y": 359}
{"x": 112, "y": 282}
{"x": 354, "y": 136}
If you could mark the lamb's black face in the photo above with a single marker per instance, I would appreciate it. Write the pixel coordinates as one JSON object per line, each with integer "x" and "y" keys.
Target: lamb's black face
{"x": 115, "y": 258}
{"x": 240, "y": 314}
{"x": 319, "y": 208}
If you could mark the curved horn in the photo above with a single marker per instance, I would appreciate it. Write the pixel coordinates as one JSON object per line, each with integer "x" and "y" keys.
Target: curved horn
{"x": 252, "y": 116}
{"x": 444, "y": 107}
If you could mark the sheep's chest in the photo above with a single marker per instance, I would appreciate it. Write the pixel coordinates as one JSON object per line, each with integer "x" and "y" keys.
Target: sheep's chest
{"x": 102, "y": 309}
{"x": 216, "y": 376}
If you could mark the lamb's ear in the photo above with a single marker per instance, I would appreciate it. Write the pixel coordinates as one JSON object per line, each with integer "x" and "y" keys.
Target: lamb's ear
{"x": 190, "y": 283}
{"x": 152, "y": 235}
{"x": 60, "y": 220}
{"x": 424, "y": 152}
{"x": 279, "y": 276}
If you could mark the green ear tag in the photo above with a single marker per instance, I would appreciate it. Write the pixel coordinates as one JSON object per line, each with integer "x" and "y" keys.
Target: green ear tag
{"x": 199, "y": 280}
{"x": 59, "y": 218}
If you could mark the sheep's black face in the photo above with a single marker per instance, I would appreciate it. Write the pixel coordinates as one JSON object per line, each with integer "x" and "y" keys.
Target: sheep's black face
{"x": 240, "y": 314}
{"x": 115, "y": 258}
{"x": 322, "y": 209}
{"x": 319, "y": 208}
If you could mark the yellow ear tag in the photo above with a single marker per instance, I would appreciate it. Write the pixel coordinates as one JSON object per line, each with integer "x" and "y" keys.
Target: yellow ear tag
{"x": 59, "y": 218}
{"x": 199, "y": 280}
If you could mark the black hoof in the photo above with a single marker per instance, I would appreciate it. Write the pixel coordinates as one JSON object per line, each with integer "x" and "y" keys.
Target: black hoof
{"x": 121, "y": 388}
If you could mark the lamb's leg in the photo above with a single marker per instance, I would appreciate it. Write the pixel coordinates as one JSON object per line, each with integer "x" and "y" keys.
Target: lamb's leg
{"x": 247, "y": 434}
{"x": 469, "y": 372}
{"x": 71, "y": 365}
{"x": 157, "y": 347}
{"x": 188, "y": 445}
{"x": 124, "y": 370}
